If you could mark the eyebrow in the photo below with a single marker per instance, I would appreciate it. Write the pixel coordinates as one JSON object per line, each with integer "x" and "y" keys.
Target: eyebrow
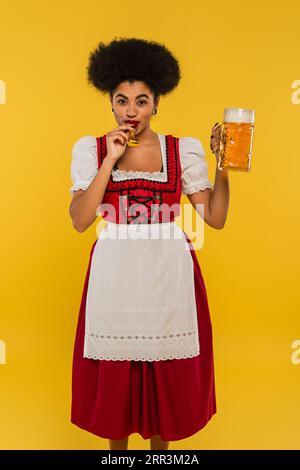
{"x": 138, "y": 96}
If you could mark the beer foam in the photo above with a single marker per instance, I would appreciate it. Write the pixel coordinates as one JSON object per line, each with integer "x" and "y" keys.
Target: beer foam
{"x": 238, "y": 115}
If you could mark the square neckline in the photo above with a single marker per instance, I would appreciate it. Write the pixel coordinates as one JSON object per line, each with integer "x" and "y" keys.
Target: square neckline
{"x": 143, "y": 172}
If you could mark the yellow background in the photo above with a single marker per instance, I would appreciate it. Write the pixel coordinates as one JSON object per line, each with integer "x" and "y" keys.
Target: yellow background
{"x": 231, "y": 55}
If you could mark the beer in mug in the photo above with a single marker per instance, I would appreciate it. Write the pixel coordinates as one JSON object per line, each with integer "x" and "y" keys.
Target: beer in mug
{"x": 236, "y": 139}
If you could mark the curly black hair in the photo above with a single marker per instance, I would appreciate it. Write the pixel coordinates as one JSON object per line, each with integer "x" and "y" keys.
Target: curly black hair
{"x": 131, "y": 59}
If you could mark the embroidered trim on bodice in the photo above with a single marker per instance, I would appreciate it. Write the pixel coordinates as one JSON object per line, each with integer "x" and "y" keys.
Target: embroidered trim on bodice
{"x": 121, "y": 175}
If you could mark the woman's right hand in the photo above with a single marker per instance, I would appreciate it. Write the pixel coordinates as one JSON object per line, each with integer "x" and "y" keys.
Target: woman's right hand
{"x": 116, "y": 141}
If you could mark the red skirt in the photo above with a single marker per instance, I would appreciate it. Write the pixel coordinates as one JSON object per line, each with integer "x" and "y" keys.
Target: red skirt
{"x": 174, "y": 398}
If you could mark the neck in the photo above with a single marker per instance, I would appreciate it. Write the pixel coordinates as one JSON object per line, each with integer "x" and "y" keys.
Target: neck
{"x": 146, "y": 135}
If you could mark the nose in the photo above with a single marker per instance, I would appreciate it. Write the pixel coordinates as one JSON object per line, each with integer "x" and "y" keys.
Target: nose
{"x": 131, "y": 113}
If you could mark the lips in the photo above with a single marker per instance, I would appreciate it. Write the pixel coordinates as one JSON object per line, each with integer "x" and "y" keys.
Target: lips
{"x": 134, "y": 123}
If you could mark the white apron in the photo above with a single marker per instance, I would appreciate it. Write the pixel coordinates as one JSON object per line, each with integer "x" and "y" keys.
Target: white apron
{"x": 141, "y": 300}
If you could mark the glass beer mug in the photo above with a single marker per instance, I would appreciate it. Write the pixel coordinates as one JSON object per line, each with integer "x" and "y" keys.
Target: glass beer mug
{"x": 236, "y": 139}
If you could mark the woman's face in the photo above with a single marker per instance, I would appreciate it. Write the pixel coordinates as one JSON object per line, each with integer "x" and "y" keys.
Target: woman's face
{"x": 133, "y": 101}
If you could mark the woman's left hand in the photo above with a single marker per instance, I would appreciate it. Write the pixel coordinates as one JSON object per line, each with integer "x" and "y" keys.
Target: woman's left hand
{"x": 215, "y": 140}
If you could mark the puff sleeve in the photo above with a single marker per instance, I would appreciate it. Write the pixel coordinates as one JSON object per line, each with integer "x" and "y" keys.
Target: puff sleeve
{"x": 84, "y": 164}
{"x": 194, "y": 170}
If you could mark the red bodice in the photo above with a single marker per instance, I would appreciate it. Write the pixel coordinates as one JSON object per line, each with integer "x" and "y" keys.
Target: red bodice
{"x": 141, "y": 200}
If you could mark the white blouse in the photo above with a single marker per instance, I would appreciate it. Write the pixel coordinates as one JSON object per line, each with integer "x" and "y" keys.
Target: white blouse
{"x": 194, "y": 170}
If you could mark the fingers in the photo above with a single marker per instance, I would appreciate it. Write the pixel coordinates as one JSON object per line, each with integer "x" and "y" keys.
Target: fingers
{"x": 120, "y": 135}
{"x": 124, "y": 127}
{"x": 215, "y": 137}
{"x": 116, "y": 136}
{"x": 214, "y": 146}
{"x": 216, "y": 129}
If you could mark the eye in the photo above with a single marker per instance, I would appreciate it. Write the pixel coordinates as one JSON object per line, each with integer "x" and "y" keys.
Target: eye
{"x": 122, "y": 100}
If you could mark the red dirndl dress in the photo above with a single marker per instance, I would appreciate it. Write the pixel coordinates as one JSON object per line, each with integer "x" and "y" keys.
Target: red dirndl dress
{"x": 173, "y": 398}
